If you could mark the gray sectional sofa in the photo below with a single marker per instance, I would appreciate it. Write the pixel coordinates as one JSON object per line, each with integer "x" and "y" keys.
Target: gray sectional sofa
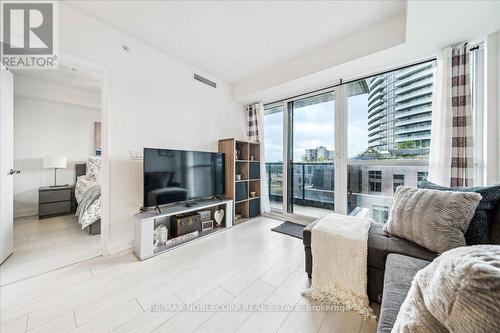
{"x": 392, "y": 264}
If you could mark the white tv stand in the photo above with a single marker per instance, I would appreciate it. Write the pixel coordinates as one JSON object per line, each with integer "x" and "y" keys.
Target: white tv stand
{"x": 147, "y": 221}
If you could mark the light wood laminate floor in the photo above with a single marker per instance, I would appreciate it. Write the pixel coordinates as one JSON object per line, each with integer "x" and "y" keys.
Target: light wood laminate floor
{"x": 245, "y": 265}
{"x": 44, "y": 245}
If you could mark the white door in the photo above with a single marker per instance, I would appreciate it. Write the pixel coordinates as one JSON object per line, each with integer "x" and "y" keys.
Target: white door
{"x": 6, "y": 164}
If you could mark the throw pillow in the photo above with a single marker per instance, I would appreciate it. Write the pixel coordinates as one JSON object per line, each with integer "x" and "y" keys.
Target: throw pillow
{"x": 433, "y": 219}
{"x": 458, "y": 292}
{"x": 94, "y": 168}
{"x": 481, "y": 224}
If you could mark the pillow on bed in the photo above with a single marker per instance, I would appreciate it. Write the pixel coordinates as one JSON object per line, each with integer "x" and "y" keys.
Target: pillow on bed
{"x": 82, "y": 185}
{"x": 433, "y": 219}
{"x": 94, "y": 167}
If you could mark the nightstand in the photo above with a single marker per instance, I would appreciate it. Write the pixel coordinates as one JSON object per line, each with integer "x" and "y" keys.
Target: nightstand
{"x": 55, "y": 201}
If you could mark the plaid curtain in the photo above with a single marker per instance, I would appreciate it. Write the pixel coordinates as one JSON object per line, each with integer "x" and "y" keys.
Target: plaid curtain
{"x": 253, "y": 125}
{"x": 462, "y": 155}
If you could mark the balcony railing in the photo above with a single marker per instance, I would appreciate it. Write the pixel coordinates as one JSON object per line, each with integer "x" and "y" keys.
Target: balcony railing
{"x": 417, "y": 102}
{"x": 374, "y": 91}
{"x": 416, "y": 93}
{"x": 416, "y": 85}
{"x": 377, "y": 117}
{"x": 313, "y": 183}
{"x": 413, "y": 111}
{"x": 422, "y": 75}
{"x": 376, "y": 81}
{"x": 413, "y": 70}
{"x": 379, "y": 103}
{"x": 424, "y": 135}
{"x": 377, "y": 130}
{"x": 416, "y": 127}
{"x": 379, "y": 122}
{"x": 413, "y": 119}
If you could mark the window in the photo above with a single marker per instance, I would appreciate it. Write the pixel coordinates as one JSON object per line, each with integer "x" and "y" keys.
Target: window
{"x": 397, "y": 180}
{"x": 380, "y": 213}
{"x": 390, "y": 115}
{"x": 389, "y": 120}
{"x": 375, "y": 179}
{"x": 386, "y": 143}
{"x": 421, "y": 176}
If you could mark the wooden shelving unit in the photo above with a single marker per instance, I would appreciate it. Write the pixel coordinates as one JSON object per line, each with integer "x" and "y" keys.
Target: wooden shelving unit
{"x": 242, "y": 158}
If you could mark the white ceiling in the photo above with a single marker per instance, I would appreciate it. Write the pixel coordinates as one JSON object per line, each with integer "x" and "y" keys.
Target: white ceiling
{"x": 234, "y": 40}
{"x": 67, "y": 76}
{"x": 428, "y": 27}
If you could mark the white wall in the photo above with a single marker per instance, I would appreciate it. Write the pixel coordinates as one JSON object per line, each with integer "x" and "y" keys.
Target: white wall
{"x": 47, "y": 128}
{"x": 492, "y": 109}
{"x": 43, "y": 90}
{"x": 154, "y": 102}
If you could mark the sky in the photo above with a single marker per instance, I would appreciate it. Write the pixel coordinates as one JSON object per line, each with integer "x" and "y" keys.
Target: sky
{"x": 314, "y": 126}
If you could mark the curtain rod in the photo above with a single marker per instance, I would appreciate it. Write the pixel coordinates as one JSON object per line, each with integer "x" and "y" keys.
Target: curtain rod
{"x": 353, "y": 80}
{"x": 341, "y": 82}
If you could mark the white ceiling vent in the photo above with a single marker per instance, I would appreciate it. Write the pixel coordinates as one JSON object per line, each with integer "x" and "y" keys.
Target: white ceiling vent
{"x": 205, "y": 80}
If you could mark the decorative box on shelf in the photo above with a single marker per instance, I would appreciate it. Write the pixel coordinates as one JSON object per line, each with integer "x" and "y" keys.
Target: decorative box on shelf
{"x": 146, "y": 243}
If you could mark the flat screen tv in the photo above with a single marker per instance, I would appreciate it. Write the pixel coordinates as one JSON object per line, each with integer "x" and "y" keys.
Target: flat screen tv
{"x": 179, "y": 175}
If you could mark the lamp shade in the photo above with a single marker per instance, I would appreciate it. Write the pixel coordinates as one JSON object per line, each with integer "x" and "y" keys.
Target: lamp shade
{"x": 55, "y": 162}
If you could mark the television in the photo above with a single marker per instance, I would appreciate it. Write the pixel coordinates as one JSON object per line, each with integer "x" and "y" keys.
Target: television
{"x": 180, "y": 175}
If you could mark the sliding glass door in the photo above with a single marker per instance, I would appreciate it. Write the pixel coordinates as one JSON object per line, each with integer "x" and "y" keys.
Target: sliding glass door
{"x": 310, "y": 148}
{"x": 273, "y": 147}
{"x": 348, "y": 148}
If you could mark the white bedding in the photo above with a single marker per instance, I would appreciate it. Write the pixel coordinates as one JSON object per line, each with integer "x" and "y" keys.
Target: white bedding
{"x": 93, "y": 212}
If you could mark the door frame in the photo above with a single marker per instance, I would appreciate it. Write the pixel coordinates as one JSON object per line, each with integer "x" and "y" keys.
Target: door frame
{"x": 103, "y": 71}
{"x": 7, "y": 179}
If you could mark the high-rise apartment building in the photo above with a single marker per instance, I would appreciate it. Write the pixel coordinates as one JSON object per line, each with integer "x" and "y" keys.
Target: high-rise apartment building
{"x": 399, "y": 111}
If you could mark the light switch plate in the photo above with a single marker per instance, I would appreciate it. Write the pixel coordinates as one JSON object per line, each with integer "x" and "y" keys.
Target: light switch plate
{"x": 136, "y": 154}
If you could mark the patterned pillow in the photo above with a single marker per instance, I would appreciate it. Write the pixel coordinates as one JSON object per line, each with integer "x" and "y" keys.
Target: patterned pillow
{"x": 481, "y": 223}
{"x": 94, "y": 167}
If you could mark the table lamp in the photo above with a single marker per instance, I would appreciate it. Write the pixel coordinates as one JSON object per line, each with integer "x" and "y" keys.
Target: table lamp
{"x": 56, "y": 162}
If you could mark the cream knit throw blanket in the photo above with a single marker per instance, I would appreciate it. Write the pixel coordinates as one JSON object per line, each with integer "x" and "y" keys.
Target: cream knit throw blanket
{"x": 458, "y": 292}
{"x": 340, "y": 248}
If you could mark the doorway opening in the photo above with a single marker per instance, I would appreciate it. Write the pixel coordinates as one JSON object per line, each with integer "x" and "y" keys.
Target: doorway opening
{"x": 58, "y": 146}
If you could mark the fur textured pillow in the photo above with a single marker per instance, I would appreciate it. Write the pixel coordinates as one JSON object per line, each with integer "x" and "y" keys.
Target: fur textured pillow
{"x": 458, "y": 292}
{"x": 433, "y": 219}
{"x": 481, "y": 224}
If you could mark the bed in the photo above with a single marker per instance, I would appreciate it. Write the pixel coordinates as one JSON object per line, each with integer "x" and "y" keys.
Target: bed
{"x": 88, "y": 197}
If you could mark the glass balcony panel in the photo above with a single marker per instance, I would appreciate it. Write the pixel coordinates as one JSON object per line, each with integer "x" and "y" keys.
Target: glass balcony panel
{"x": 414, "y": 78}
{"x": 414, "y": 94}
{"x": 416, "y": 102}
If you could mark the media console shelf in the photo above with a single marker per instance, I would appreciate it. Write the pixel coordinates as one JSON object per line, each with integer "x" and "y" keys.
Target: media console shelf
{"x": 147, "y": 221}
